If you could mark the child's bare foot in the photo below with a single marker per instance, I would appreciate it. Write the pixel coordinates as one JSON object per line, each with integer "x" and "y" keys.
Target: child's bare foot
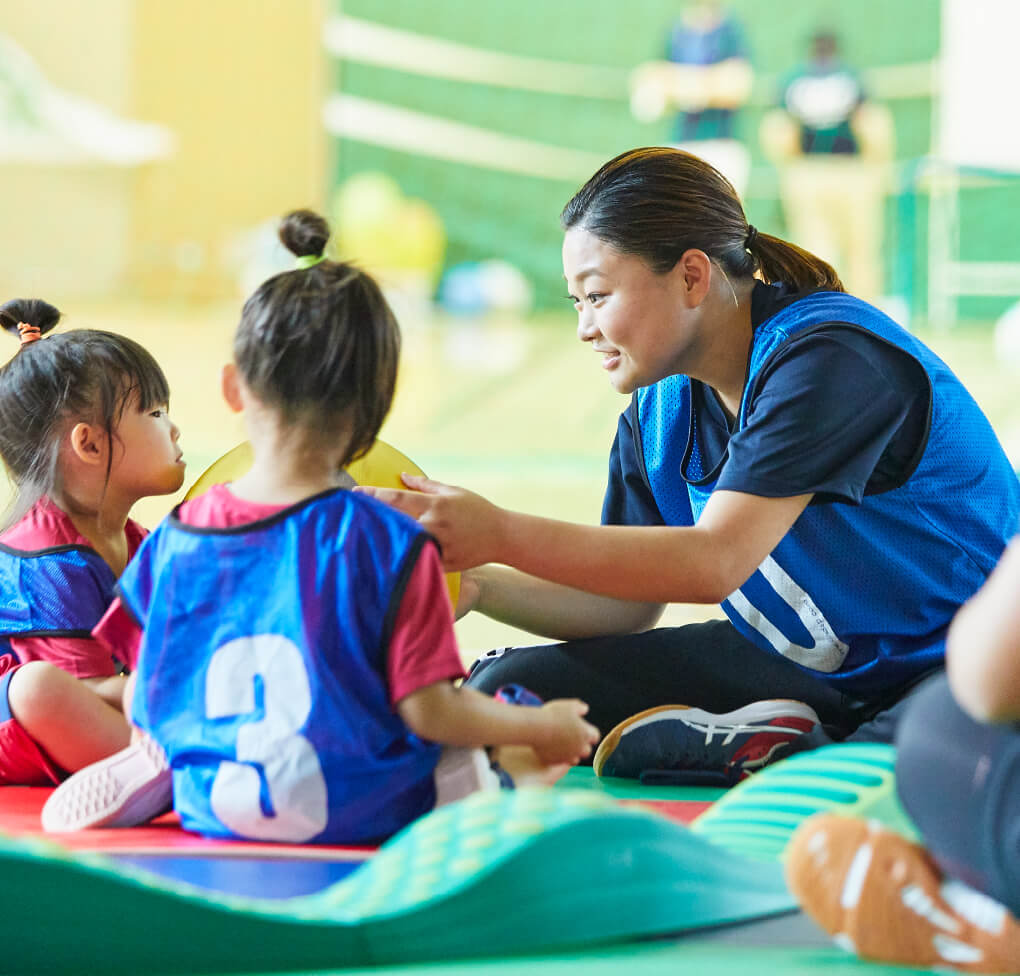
{"x": 526, "y": 769}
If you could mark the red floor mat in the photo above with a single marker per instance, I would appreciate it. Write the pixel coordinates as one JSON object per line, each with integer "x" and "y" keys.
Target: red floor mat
{"x": 20, "y": 807}
{"x": 19, "y": 816}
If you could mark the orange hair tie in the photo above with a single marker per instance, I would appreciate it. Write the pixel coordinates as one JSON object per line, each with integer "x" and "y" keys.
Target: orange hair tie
{"x": 28, "y": 333}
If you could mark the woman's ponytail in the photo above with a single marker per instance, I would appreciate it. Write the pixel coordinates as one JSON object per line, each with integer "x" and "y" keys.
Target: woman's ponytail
{"x": 657, "y": 203}
{"x": 779, "y": 260}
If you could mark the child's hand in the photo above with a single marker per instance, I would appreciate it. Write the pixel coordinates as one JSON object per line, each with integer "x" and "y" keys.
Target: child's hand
{"x": 565, "y": 736}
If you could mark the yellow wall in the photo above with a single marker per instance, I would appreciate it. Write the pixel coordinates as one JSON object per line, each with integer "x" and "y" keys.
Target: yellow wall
{"x": 65, "y": 227}
{"x": 80, "y": 45}
{"x": 240, "y": 82}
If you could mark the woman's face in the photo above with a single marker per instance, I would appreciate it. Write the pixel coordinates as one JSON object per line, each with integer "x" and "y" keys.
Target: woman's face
{"x": 636, "y": 319}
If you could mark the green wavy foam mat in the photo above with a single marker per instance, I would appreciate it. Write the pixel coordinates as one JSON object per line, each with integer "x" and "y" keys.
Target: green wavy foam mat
{"x": 758, "y": 816}
{"x": 503, "y": 873}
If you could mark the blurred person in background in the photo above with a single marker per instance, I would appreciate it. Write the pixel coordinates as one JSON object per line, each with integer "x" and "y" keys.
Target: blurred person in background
{"x": 706, "y": 78}
{"x": 832, "y": 145}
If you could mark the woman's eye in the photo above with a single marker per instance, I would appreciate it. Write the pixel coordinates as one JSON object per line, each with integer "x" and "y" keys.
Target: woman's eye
{"x": 594, "y": 296}
{"x": 156, "y": 413}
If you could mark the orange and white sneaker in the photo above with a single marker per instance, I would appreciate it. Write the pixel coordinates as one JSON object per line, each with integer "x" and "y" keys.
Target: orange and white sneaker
{"x": 885, "y": 899}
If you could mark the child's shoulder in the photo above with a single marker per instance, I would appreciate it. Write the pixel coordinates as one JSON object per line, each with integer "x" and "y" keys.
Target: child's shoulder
{"x": 220, "y": 508}
{"x": 375, "y": 509}
{"x": 43, "y": 526}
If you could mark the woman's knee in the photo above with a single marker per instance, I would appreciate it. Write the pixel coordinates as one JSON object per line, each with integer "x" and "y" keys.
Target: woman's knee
{"x": 505, "y": 666}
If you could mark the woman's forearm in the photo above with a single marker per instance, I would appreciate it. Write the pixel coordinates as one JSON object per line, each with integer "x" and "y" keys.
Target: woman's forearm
{"x": 555, "y": 611}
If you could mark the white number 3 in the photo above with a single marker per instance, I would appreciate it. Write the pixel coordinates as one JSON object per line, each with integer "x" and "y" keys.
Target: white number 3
{"x": 270, "y": 747}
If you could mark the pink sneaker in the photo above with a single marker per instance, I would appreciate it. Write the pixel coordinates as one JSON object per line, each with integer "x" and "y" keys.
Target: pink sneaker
{"x": 128, "y": 788}
{"x": 884, "y": 898}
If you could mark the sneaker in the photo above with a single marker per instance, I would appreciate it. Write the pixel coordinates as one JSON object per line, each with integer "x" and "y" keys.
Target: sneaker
{"x": 128, "y": 788}
{"x": 463, "y": 771}
{"x": 884, "y": 898}
{"x": 678, "y": 744}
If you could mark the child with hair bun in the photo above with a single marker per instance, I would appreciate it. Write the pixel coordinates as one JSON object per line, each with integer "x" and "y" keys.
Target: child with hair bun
{"x": 84, "y": 434}
{"x": 296, "y": 659}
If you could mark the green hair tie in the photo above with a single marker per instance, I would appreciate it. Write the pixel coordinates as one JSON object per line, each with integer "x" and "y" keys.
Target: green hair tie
{"x": 309, "y": 261}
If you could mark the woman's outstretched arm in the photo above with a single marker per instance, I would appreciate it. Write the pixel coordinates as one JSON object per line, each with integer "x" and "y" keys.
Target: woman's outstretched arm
{"x": 550, "y": 609}
{"x": 702, "y": 563}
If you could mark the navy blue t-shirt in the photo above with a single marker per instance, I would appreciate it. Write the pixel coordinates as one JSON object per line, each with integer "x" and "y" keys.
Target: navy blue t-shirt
{"x": 836, "y": 412}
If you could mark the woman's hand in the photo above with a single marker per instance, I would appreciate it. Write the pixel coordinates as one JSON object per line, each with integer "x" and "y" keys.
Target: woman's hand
{"x": 468, "y": 596}
{"x": 467, "y": 527}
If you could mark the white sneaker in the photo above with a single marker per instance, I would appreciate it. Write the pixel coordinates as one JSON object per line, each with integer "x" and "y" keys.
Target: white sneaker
{"x": 128, "y": 788}
{"x": 462, "y": 771}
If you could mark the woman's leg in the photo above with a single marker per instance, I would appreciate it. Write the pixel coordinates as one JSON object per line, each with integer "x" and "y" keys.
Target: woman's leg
{"x": 710, "y": 665}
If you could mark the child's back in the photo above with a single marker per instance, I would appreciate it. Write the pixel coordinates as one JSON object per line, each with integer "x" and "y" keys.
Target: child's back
{"x": 285, "y": 627}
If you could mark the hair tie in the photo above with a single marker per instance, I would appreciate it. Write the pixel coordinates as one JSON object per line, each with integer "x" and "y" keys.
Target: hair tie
{"x": 28, "y": 333}
{"x": 752, "y": 236}
{"x": 309, "y": 261}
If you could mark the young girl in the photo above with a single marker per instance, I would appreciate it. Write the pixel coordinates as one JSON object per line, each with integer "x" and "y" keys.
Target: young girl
{"x": 296, "y": 655}
{"x": 84, "y": 434}
{"x": 788, "y": 451}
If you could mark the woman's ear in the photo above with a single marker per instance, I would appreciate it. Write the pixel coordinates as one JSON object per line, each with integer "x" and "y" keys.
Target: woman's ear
{"x": 88, "y": 443}
{"x": 231, "y": 387}
{"x": 695, "y": 267}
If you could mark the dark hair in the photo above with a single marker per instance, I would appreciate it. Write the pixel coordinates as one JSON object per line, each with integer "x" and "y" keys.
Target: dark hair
{"x": 320, "y": 344}
{"x": 84, "y": 373}
{"x": 656, "y": 203}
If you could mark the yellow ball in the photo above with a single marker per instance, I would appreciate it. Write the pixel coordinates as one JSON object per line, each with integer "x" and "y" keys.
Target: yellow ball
{"x": 380, "y": 467}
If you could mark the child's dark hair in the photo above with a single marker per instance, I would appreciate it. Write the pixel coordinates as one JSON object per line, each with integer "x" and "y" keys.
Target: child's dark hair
{"x": 84, "y": 374}
{"x": 656, "y": 203}
{"x": 320, "y": 344}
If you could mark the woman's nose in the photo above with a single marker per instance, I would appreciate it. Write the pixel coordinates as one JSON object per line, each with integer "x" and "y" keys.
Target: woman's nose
{"x": 586, "y": 330}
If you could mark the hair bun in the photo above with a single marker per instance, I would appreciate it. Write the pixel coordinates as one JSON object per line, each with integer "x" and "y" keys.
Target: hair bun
{"x": 34, "y": 311}
{"x": 304, "y": 233}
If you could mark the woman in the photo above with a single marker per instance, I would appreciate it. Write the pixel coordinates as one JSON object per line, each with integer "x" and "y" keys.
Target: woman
{"x": 788, "y": 451}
